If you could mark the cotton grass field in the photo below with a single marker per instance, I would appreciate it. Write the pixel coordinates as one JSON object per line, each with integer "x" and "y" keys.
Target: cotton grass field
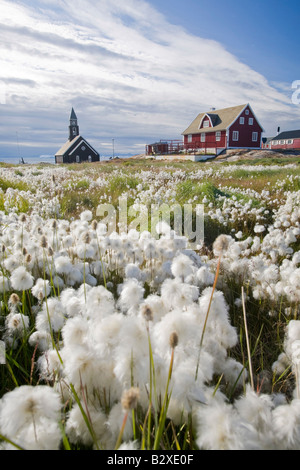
{"x": 134, "y": 340}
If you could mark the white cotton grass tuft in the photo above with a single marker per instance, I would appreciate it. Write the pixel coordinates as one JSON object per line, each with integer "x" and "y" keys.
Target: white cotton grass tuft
{"x": 131, "y": 295}
{"x": 182, "y": 266}
{"x": 21, "y": 279}
{"x": 41, "y": 289}
{"x": 29, "y": 416}
{"x": 51, "y": 316}
{"x": 77, "y": 430}
{"x": 86, "y": 216}
{"x": 17, "y": 324}
{"x": 219, "y": 427}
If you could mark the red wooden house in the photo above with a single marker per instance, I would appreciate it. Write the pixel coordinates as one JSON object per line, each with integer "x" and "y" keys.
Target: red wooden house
{"x": 216, "y": 130}
{"x": 288, "y": 140}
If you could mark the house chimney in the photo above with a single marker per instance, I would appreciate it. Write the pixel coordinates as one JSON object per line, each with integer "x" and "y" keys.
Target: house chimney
{"x": 278, "y": 130}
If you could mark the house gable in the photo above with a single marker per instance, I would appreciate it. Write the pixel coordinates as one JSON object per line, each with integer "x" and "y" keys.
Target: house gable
{"x": 221, "y": 120}
{"x": 208, "y": 120}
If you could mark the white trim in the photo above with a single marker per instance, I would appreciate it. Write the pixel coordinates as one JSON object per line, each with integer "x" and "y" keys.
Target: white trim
{"x": 205, "y": 115}
{"x": 262, "y": 129}
{"x": 235, "y": 136}
{"x": 80, "y": 143}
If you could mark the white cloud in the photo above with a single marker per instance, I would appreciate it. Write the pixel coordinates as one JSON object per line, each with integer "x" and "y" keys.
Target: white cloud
{"x": 129, "y": 74}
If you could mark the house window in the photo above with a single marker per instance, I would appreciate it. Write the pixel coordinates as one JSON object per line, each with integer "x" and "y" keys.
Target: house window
{"x": 77, "y": 159}
{"x": 247, "y": 112}
{"x": 242, "y": 120}
{"x": 218, "y": 136}
{"x": 290, "y": 141}
{"x": 83, "y": 148}
{"x": 254, "y": 136}
{"x": 235, "y": 136}
{"x": 190, "y": 138}
{"x": 206, "y": 123}
{"x": 90, "y": 158}
{"x": 250, "y": 121}
{"x": 274, "y": 142}
{"x": 282, "y": 142}
{"x": 203, "y": 137}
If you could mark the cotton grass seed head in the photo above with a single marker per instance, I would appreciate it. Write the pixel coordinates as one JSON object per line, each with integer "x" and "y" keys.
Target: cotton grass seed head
{"x": 173, "y": 340}
{"x": 14, "y": 300}
{"x": 147, "y": 312}
{"x": 44, "y": 242}
{"x": 221, "y": 244}
{"x": 130, "y": 398}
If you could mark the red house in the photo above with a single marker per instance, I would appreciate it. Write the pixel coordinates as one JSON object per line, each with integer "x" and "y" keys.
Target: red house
{"x": 288, "y": 140}
{"x": 216, "y": 130}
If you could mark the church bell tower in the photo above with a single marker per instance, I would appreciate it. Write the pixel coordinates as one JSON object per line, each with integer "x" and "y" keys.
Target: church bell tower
{"x": 73, "y": 127}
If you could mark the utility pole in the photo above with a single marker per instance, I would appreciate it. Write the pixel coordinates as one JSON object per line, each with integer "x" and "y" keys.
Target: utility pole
{"x": 113, "y": 142}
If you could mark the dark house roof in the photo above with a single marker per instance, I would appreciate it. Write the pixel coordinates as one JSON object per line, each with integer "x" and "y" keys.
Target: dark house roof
{"x": 288, "y": 135}
{"x": 70, "y": 146}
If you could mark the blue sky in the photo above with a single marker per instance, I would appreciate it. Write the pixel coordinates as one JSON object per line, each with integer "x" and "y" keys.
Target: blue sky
{"x": 137, "y": 71}
{"x": 261, "y": 33}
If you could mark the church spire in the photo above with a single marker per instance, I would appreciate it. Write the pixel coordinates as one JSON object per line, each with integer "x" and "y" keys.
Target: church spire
{"x": 73, "y": 127}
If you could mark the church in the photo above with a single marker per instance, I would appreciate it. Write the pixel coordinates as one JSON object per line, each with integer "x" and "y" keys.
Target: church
{"x": 76, "y": 149}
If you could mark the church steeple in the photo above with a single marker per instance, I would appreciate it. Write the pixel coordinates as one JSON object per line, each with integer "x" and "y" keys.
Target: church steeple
{"x": 73, "y": 127}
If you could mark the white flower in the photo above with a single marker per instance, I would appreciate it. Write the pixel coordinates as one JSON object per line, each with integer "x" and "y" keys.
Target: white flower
{"x": 21, "y": 279}
{"x": 131, "y": 294}
{"x": 86, "y": 216}
{"x": 17, "y": 324}
{"x": 41, "y": 289}
{"x": 182, "y": 266}
{"x": 259, "y": 228}
{"x": 29, "y": 416}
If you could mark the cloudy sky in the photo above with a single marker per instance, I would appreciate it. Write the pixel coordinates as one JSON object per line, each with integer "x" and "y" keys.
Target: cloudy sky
{"x": 138, "y": 71}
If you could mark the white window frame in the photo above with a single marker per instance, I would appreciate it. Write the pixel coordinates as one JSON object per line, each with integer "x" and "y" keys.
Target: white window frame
{"x": 235, "y": 136}
{"x": 290, "y": 141}
{"x": 203, "y": 137}
{"x": 190, "y": 138}
{"x": 242, "y": 120}
{"x": 282, "y": 142}
{"x": 254, "y": 136}
{"x": 206, "y": 123}
{"x": 247, "y": 112}
{"x": 218, "y": 136}
{"x": 250, "y": 121}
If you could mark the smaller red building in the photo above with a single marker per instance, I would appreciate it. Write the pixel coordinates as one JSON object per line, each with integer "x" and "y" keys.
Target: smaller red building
{"x": 216, "y": 130}
{"x": 288, "y": 140}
